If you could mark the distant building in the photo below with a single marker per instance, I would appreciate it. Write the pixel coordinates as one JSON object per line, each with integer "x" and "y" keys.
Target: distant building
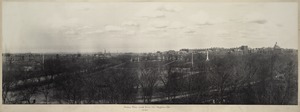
{"x": 244, "y": 49}
{"x": 194, "y": 50}
{"x": 277, "y": 49}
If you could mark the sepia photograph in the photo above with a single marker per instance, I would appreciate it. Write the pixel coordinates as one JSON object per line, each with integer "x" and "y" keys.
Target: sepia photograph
{"x": 167, "y": 53}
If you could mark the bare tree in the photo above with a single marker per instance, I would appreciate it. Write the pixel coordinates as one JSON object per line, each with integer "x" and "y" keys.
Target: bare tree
{"x": 290, "y": 93}
{"x": 8, "y": 84}
{"x": 148, "y": 78}
{"x": 221, "y": 76}
{"x": 121, "y": 85}
{"x": 171, "y": 81}
{"x": 69, "y": 88}
{"x": 200, "y": 81}
{"x": 45, "y": 90}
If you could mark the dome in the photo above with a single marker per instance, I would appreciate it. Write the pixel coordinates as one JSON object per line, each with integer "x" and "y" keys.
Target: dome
{"x": 276, "y": 46}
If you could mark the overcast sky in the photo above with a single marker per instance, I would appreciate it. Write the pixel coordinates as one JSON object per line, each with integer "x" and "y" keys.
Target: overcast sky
{"x": 146, "y": 27}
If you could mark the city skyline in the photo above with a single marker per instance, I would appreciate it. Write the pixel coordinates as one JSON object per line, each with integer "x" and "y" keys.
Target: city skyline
{"x": 147, "y": 27}
{"x": 106, "y": 51}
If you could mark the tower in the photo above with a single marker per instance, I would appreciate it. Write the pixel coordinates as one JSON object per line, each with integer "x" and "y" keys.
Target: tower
{"x": 207, "y": 59}
{"x": 43, "y": 58}
{"x": 43, "y": 61}
{"x": 192, "y": 59}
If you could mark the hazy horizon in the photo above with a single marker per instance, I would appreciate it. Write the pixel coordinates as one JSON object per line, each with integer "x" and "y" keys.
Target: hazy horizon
{"x": 46, "y": 27}
{"x": 115, "y": 51}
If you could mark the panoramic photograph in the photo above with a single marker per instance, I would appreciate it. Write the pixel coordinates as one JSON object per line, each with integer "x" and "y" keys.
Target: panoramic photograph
{"x": 149, "y": 53}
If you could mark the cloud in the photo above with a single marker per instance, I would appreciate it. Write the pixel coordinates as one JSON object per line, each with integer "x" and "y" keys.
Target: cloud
{"x": 72, "y": 30}
{"x": 151, "y": 14}
{"x": 189, "y": 30}
{"x": 199, "y": 17}
{"x": 112, "y": 28}
{"x": 130, "y": 32}
{"x": 157, "y": 11}
{"x": 150, "y": 29}
{"x": 223, "y": 31}
{"x": 279, "y": 25}
{"x": 203, "y": 18}
{"x": 130, "y": 24}
{"x": 204, "y": 24}
{"x": 259, "y": 21}
{"x": 96, "y": 31}
{"x": 160, "y": 23}
{"x": 176, "y": 25}
{"x": 257, "y": 18}
{"x": 80, "y": 30}
{"x": 168, "y": 8}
